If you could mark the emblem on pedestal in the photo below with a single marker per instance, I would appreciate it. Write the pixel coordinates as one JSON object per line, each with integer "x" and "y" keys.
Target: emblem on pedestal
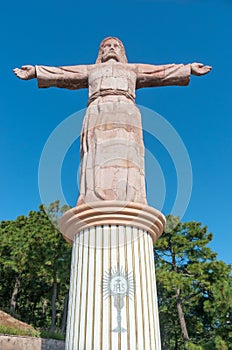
{"x": 118, "y": 283}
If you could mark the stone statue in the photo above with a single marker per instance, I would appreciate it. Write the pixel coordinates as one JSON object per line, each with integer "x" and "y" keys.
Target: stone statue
{"x": 112, "y": 150}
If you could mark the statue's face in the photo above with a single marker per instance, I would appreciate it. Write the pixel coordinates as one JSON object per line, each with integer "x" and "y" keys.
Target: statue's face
{"x": 111, "y": 50}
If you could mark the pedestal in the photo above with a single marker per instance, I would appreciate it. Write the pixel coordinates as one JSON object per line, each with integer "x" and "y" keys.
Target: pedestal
{"x": 112, "y": 300}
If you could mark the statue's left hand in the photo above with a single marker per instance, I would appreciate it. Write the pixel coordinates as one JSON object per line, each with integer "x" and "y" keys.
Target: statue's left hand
{"x": 25, "y": 72}
{"x": 199, "y": 69}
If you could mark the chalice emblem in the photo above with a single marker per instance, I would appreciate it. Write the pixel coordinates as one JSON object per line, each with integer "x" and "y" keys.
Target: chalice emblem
{"x": 119, "y": 284}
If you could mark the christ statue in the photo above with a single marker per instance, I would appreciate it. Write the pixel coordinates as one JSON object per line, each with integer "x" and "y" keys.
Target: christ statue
{"x": 112, "y": 149}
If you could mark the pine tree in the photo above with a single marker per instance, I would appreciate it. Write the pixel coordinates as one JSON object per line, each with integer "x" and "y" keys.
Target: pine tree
{"x": 194, "y": 288}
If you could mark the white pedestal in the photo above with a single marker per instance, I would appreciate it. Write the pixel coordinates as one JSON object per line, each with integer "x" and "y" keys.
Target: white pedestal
{"x": 112, "y": 300}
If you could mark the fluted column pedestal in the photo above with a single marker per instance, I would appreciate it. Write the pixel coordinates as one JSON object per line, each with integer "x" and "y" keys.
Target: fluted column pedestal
{"x": 112, "y": 302}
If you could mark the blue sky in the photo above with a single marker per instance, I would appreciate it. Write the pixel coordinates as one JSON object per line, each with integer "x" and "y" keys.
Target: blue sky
{"x": 157, "y": 32}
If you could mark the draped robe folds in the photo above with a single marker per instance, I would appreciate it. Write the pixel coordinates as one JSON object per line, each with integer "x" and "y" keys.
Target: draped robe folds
{"x": 112, "y": 150}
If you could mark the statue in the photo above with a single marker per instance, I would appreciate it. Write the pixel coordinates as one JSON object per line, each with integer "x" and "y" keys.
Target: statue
{"x": 112, "y": 150}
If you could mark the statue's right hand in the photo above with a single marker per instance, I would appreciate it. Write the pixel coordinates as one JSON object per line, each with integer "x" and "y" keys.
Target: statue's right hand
{"x": 25, "y": 72}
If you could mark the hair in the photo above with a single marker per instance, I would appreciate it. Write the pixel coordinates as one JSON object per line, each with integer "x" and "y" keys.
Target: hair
{"x": 122, "y": 59}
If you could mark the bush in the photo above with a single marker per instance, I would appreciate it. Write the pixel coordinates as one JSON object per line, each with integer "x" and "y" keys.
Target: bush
{"x": 52, "y": 335}
{"x": 191, "y": 346}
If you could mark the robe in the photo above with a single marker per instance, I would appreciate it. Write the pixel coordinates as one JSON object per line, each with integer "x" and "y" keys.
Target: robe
{"x": 112, "y": 149}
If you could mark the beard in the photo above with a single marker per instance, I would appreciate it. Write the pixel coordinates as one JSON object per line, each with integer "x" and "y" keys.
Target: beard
{"x": 110, "y": 55}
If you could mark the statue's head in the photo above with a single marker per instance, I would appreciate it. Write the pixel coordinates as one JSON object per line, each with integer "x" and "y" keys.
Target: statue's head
{"x": 111, "y": 48}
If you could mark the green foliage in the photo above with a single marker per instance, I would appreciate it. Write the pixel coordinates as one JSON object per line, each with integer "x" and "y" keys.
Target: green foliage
{"x": 31, "y": 333}
{"x": 191, "y": 346}
{"x": 190, "y": 276}
{"x": 35, "y": 258}
{"x": 17, "y": 331}
{"x": 194, "y": 288}
{"x": 216, "y": 344}
{"x": 52, "y": 335}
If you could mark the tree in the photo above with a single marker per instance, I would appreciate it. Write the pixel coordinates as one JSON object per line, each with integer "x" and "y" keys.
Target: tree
{"x": 14, "y": 254}
{"x": 58, "y": 258}
{"x": 35, "y": 260}
{"x": 193, "y": 287}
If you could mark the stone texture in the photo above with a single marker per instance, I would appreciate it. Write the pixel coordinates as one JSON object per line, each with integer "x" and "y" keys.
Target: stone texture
{"x": 9, "y": 342}
{"x": 112, "y": 213}
{"x": 9, "y": 321}
{"x": 111, "y": 141}
{"x": 112, "y": 202}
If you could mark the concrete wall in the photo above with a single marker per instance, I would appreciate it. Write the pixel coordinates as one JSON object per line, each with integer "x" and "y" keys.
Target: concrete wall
{"x": 10, "y": 342}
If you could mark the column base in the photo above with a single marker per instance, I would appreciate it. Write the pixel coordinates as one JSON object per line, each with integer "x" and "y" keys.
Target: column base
{"x": 112, "y": 213}
{"x": 112, "y": 298}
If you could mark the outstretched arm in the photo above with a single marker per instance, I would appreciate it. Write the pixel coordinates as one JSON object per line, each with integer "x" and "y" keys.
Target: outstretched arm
{"x": 167, "y": 75}
{"x": 70, "y": 77}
